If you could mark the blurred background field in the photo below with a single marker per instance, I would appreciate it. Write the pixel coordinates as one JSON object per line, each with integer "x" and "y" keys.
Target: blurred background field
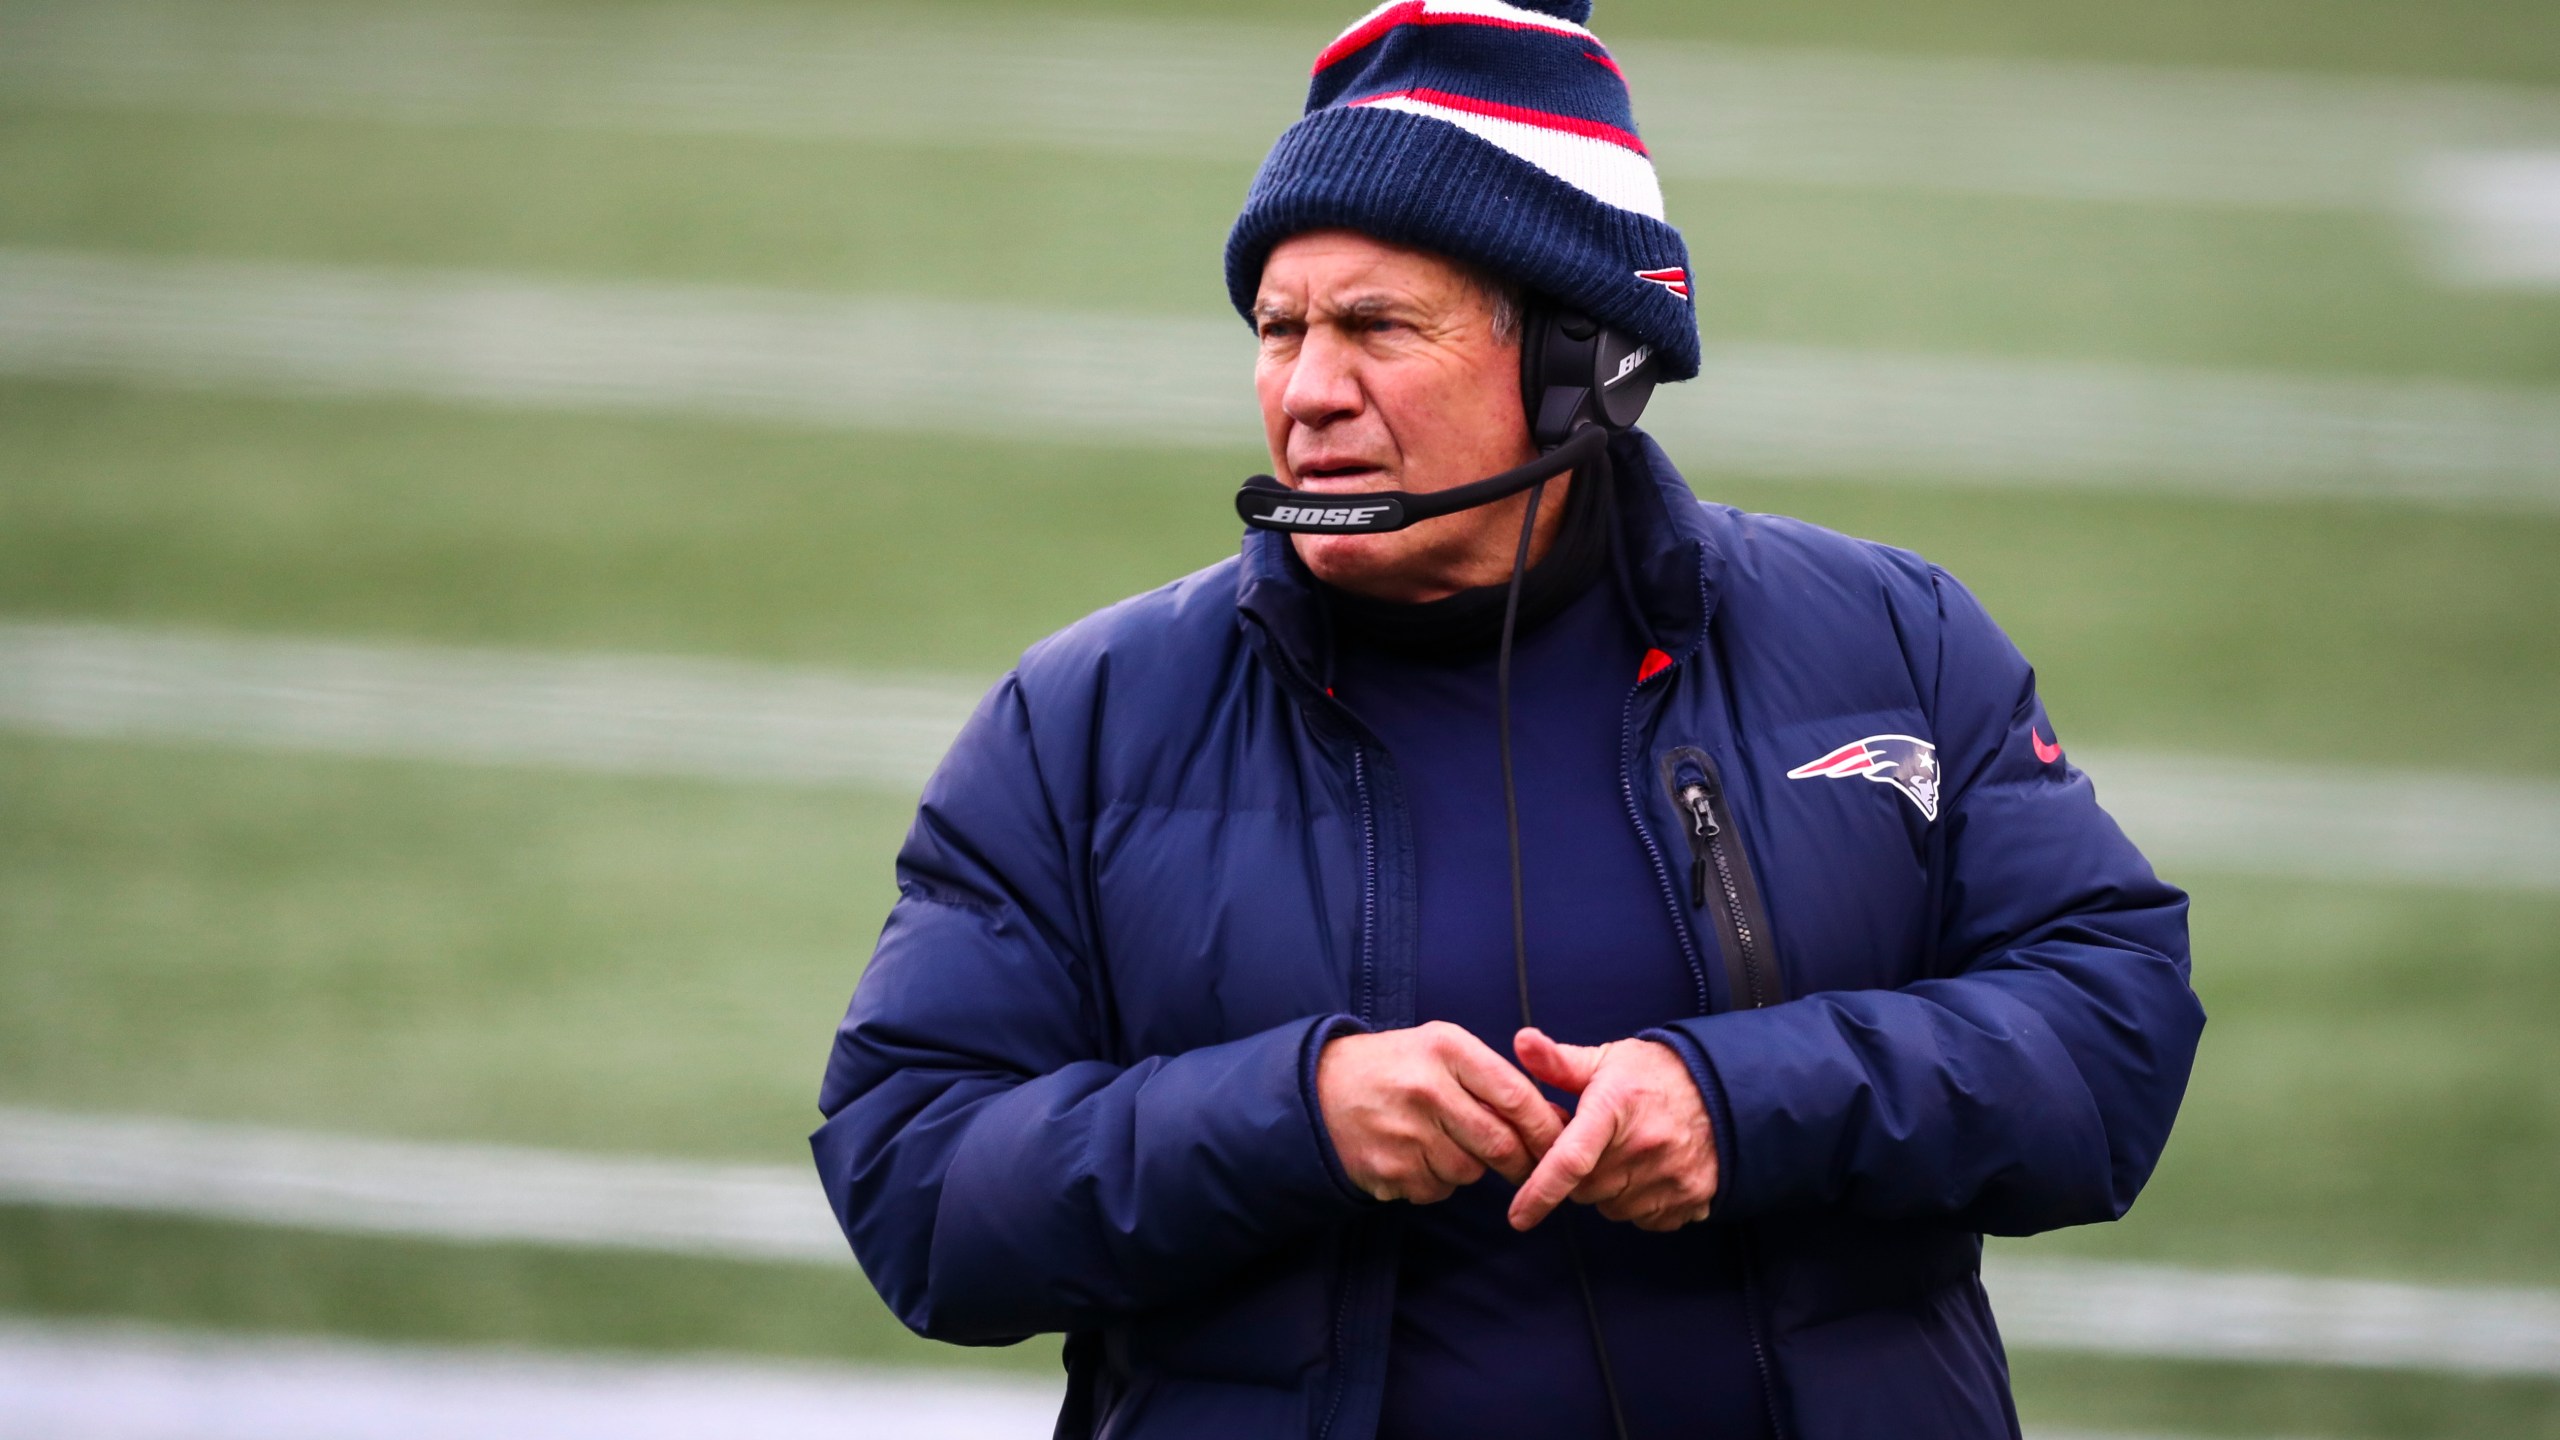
{"x": 269, "y": 274}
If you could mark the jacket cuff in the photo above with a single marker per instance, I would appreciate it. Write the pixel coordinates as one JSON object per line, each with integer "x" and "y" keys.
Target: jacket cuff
{"x": 1332, "y": 1027}
{"x": 1702, "y": 1070}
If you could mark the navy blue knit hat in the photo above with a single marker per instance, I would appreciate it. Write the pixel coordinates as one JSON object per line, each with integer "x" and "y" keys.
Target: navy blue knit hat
{"x": 1496, "y": 133}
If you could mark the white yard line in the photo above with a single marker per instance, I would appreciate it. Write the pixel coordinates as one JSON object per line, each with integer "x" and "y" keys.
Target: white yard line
{"x": 2342, "y": 822}
{"x": 2166, "y": 1312}
{"x": 754, "y": 354}
{"x": 974, "y": 368}
{"x": 1221, "y": 91}
{"x": 483, "y": 1193}
{"x": 728, "y": 721}
{"x": 2496, "y": 217}
{"x": 87, "y": 1382}
{"x": 774, "y": 1213}
{"x": 632, "y": 715}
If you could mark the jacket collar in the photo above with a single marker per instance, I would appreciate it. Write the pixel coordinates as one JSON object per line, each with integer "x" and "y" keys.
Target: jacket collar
{"x": 1672, "y": 571}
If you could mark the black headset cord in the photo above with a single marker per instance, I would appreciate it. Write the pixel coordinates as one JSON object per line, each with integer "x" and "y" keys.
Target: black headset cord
{"x": 1595, "y": 473}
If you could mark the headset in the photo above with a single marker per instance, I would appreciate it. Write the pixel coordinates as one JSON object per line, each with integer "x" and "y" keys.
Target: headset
{"x": 1581, "y": 382}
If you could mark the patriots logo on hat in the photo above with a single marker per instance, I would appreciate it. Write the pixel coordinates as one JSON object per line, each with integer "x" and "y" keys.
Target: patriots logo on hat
{"x": 1675, "y": 279}
{"x": 1905, "y": 762}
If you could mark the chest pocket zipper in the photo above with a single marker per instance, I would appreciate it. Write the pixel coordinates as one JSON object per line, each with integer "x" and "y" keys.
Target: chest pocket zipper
{"x": 1720, "y": 879}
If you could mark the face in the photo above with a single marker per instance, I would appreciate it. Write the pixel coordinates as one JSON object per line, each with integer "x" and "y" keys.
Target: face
{"x": 1380, "y": 370}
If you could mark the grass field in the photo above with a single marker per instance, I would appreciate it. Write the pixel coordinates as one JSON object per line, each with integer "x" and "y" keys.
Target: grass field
{"x": 653, "y": 966}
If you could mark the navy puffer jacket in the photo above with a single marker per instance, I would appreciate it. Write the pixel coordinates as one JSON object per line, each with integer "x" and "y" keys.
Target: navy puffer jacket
{"x": 1161, "y": 867}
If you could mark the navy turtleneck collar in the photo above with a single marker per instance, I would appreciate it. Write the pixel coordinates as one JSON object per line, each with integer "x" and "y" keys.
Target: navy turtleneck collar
{"x": 1470, "y": 622}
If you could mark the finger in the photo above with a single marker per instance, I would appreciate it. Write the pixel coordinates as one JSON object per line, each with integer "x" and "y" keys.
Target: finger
{"x": 1504, "y": 1090}
{"x": 1610, "y": 1182}
{"x": 1566, "y": 1067}
{"x": 1411, "y": 1176}
{"x": 1449, "y": 1164}
{"x": 1681, "y": 1201}
{"x": 1568, "y": 1162}
{"x": 1485, "y": 1136}
{"x": 1636, "y": 1202}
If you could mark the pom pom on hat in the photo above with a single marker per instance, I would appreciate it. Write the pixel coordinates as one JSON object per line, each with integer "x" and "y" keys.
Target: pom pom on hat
{"x": 1499, "y": 133}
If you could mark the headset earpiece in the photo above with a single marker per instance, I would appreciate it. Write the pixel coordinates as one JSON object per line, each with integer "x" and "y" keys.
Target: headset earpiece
{"x": 1575, "y": 371}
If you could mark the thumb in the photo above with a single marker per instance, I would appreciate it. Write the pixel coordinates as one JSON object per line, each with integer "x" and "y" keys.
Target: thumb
{"x": 1566, "y": 1067}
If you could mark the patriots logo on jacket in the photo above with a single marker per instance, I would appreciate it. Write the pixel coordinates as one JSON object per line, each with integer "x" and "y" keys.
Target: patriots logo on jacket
{"x": 1905, "y": 762}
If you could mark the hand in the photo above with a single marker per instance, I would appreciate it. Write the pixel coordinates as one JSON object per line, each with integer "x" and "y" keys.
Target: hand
{"x": 1640, "y": 1145}
{"x": 1414, "y": 1114}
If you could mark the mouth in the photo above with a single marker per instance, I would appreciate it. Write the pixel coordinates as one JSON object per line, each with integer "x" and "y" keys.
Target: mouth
{"x": 1341, "y": 477}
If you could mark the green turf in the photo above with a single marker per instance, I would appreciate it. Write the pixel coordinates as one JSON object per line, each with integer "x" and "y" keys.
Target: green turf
{"x": 2511, "y": 41}
{"x": 1030, "y": 226}
{"x": 532, "y": 529}
{"x": 2316, "y": 293}
{"x": 420, "y": 950}
{"x": 2173, "y": 1398}
{"x": 2377, "y": 1093}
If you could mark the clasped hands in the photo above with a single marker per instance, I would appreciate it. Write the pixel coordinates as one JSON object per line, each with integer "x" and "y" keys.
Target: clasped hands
{"x": 1415, "y": 1114}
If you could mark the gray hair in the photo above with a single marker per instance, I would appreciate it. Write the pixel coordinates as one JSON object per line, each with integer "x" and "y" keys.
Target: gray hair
{"x": 1508, "y": 301}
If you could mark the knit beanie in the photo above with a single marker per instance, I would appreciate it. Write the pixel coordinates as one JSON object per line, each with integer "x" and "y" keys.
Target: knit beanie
{"x": 1499, "y": 134}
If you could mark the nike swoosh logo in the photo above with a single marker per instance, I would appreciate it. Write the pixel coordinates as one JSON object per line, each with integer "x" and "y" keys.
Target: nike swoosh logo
{"x": 2044, "y": 752}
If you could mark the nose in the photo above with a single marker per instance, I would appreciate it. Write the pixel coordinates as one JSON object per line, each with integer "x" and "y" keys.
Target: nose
{"x": 1324, "y": 381}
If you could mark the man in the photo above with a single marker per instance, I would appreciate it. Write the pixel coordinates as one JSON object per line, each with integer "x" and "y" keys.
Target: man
{"x": 1197, "y": 1033}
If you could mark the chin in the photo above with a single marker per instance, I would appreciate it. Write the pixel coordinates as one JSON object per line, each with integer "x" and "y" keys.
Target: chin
{"x": 1379, "y": 565}
{"x": 1336, "y": 559}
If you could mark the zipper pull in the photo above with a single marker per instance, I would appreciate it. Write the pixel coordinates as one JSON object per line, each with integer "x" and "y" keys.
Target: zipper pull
{"x": 1698, "y": 799}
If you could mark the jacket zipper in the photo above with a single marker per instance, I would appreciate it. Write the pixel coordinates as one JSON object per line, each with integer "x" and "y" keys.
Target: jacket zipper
{"x": 1752, "y": 1303}
{"x": 1716, "y": 874}
{"x": 1661, "y": 867}
{"x": 1710, "y": 853}
{"x": 1365, "y": 998}
{"x": 1362, "y": 1004}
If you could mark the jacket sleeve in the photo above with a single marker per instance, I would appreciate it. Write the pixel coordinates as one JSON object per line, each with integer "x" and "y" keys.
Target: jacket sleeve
{"x": 997, "y": 1173}
{"x": 2029, "y": 1081}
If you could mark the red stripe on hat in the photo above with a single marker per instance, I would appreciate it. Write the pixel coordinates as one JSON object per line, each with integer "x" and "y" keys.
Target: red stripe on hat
{"x": 1360, "y": 37}
{"x": 1518, "y": 115}
{"x": 1413, "y": 12}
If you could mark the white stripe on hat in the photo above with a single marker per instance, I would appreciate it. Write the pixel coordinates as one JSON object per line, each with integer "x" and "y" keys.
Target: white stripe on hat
{"x": 1492, "y": 10}
{"x": 1610, "y": 174}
